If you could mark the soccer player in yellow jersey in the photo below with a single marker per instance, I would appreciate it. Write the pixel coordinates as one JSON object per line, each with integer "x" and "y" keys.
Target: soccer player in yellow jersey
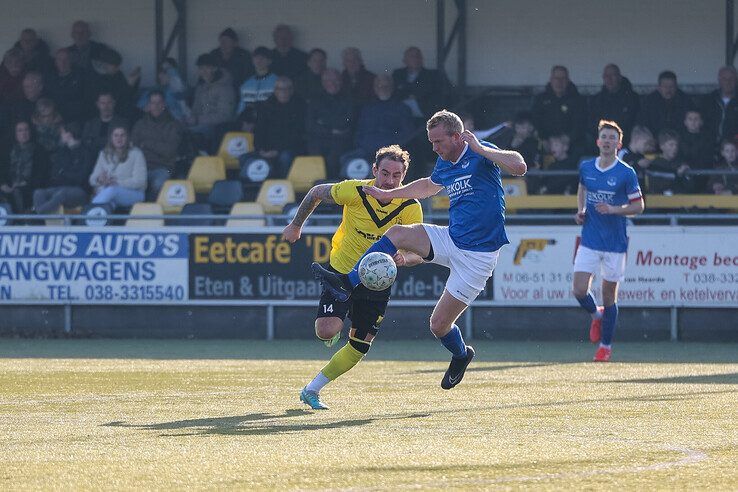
{"x": 365, "y": 220}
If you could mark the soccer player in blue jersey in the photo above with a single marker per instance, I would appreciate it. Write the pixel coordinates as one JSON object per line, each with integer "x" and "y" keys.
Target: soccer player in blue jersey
{"x": 469, "y": 171}
{"x": 608, "y": 192}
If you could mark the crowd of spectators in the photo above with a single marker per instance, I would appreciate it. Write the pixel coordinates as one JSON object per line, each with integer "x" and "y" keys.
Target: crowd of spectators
{"x": 76, "y": 129}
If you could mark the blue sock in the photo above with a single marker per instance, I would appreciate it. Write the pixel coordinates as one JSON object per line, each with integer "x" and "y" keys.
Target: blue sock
{"x": 588, "y": 303}
{"x": 384, "y": 245}
{"x": 454, "y": 342}
{"x": 609, "y": 319}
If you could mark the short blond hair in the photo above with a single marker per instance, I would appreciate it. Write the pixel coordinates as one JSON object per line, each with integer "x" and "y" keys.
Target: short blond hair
{"x": 393, "y": 153}
{"x": 450, "y": 121}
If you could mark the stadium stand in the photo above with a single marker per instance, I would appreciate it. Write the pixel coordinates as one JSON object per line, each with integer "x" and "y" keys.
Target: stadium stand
{"x": 205, "y": 171}
{"x": 195, "y": 209}
{"x": 305, "y": 171}
{"x": 246, "y": 208}
{"x": 145, "y": 208}
{"x": 175, "y": 194}
{"x": 233, "y": 146}
{"x": 224, "y": 194}
{"x": 275, "y": 194}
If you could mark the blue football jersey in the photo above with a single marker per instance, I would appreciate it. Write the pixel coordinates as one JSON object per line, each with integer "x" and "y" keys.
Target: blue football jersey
{"x": 616, "y": 185}
{"x": 476, "y": 201}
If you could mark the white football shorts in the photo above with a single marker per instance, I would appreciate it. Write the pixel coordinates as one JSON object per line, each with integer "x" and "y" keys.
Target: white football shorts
{"x": 470, "y": 270}
{"x": 610, "y": 265}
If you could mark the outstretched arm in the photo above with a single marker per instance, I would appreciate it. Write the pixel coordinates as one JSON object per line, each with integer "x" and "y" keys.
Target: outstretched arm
{"x": 317, "y": 194}
{"x": 420, "y": 188}
{"x": 508, "y": 160}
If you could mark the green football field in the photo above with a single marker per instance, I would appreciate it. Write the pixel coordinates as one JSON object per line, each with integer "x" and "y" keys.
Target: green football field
{"x": 164, "y": 414}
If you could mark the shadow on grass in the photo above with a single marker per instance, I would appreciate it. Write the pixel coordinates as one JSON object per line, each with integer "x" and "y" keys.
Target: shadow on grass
{"x": 255, "y": 424}
{"x": 722, "y": 378}
{"x": 487, "y": 368}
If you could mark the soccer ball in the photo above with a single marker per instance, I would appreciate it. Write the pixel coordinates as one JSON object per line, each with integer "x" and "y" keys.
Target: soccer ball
{"x": 377, "y": 271}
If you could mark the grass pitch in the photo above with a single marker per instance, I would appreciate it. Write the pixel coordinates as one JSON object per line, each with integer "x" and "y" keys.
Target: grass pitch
{"x": 115, "y": 414}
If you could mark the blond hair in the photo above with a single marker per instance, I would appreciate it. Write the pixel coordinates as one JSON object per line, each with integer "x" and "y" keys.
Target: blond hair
{"x": 450, "y": 121}
{"x": 394, "y": 153}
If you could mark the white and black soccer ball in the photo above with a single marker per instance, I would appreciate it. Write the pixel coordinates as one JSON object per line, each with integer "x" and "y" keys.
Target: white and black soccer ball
{"x": 377, "y": 271}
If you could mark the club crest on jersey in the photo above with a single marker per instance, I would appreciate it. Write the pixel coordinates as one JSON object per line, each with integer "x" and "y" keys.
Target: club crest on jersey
{"x": 464, "y": 163}
{"x": 611, "y": 181}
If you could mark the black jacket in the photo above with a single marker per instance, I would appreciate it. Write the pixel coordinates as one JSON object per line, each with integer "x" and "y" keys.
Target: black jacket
{"x": 621, "y": 106}
{"x": 554, "y": 115}
{"x": 69, "y": 167}
{"x": 330, "y": 117}
{"x": 660, "y": 114}
{"x": 431, "y": 89}
{"x": 721, "y": 120}
{"x": 280, "y": 126}
{"x": 68, "y": 92}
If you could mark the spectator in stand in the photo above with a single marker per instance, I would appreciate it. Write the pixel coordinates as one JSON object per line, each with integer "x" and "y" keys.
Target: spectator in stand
{"x": 214, "y": 101}
{"x": 640, "y": 152}
{"x": 286, "y": 59}
{"x": 231, "y": 57}
{"x": 424, "y": 90}
{"x": 108, "y": 77}
{"x": 159, "y": 136}
{"x": 12, "y": 74}
{"x": 96, "y": 130}
{"x": 330, "y": 122}
{"x": 356, "y": 79}
{"x": 174, "y": 90}
{"x": 119, "y": 176}
{"x": 26, "y": 168}
{"x": 83, "y": 49}
{"x": 66, "y": 88}
{"x": 560, "y": 109}
{"x": 280, "y": 126}
{"x": 47, "y": 123}
{"x": 725, "y": 184}
{"x": 617, "y": 101}
{"x": 67, "y": 182}
{"x": 257, "y": 89}
{"x": 668, "y": 173}
{"x": 664, "y": 108}
{"x": 562, "y": 161}
{"x": 384, "y": 121}
{"x": 308, "y": 84}
{"x": 33, "y": 90}
{"x": 695, "y": 143}
{"x": 35, "y": 52}
{"x": 720, "y": 107}
{"x": 520, "y": 136}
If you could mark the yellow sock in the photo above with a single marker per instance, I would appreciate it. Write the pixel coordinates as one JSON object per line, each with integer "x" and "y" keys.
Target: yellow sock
{"x": 342, "y": 361}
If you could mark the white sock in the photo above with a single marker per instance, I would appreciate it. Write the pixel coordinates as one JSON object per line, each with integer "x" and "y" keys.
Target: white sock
{"x": 317, "y": 384}
{"x": 605, "y": 346}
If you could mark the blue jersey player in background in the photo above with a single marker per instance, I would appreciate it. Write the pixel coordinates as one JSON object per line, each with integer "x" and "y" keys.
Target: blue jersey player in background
{"x": 469, "y": 171}
{"x": 608, "y": 192}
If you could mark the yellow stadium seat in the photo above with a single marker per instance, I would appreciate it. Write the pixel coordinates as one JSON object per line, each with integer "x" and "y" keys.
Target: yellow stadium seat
{"x": 175, "y": 194}
{"x": 515, "y": 187}
{"x": 274, "y": 194}
{"x": 246, "y": 208}
{"x": 233, "y": 146}
{"x": 56, "y": 222}
{"x": 145, "y": 208}
{"x": 205, "y": 171}
{"x": 306, "y": 170}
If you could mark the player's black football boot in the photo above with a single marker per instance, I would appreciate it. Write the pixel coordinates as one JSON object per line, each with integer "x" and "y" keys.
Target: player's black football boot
{"x": 457, "y": 367}
{"x": 335, "y": 284}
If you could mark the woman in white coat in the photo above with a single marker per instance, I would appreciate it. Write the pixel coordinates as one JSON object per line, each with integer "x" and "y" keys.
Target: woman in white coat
{"x": 119, "y": 177}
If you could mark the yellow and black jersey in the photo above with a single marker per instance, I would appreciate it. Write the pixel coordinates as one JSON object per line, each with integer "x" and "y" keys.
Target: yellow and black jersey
{"x": 365, "y": 220}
